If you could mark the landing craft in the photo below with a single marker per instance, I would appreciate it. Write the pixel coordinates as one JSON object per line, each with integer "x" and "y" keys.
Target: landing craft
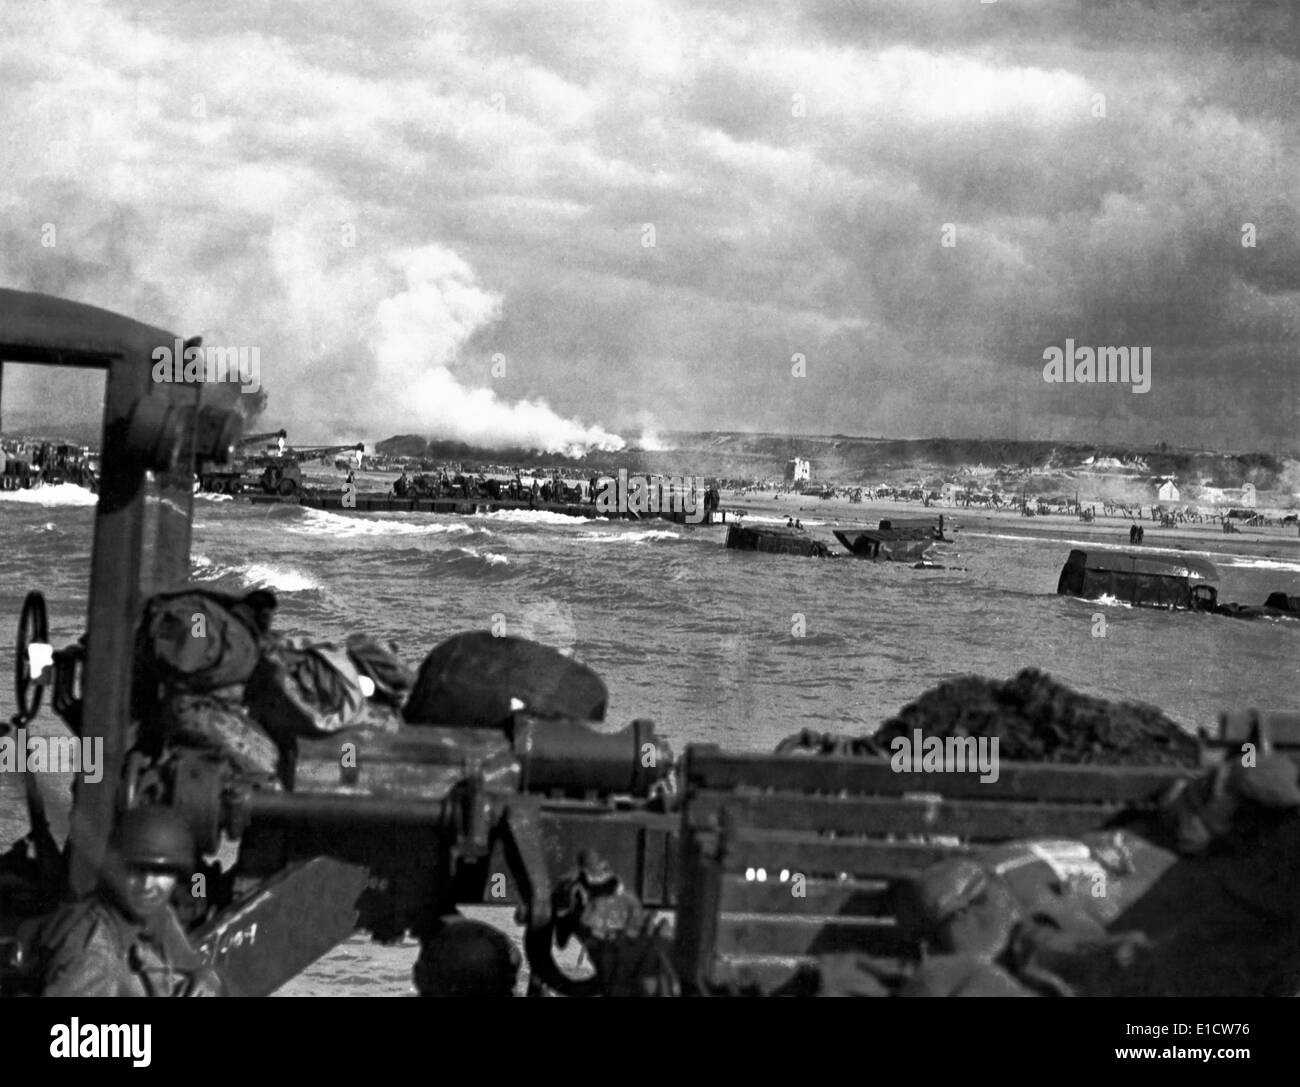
{"x": 1155, "y": 581}
{"x": 1143, "y": 580}
{"x": 495, "y": 798}
{"x": 386, "y": 831}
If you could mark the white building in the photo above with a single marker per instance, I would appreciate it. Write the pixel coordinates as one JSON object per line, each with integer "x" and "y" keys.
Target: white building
{"x": 797, "y": 469}
{"x": 1248, "y": 496}
{"x": 1167, "y": 491}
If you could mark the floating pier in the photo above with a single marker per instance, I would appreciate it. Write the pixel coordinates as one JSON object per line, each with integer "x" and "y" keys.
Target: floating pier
{"x": 379, "y": 503}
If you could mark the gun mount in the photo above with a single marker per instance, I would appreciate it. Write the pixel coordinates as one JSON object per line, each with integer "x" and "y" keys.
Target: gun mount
{"x": 384, "y": 831}
{"x": 389, "y": 830}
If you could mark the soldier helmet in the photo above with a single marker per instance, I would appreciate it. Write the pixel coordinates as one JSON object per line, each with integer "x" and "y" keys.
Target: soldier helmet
{"x": 466, "y": 958}
{"x": 156, "y": 838}
{"x": 941, "y": 890}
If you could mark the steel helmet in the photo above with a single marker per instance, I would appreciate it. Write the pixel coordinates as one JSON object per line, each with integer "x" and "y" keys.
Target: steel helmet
{"x": 466, "y": 958}
{"x": 154, "y": 838}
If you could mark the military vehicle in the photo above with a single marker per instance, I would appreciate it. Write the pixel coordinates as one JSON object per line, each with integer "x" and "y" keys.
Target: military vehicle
{"x": 34, "y": 462}
{"x": 1140, "y": 579}
{"x": 274, "y": 470}
{"x": 777, "y": 540}
{"x": 282, "y": 472}
{"x": 772, "y": 863}
{"x": 228, "y": 478}
{"x": 426, "y": 818}
{"x": 894, "y": 540}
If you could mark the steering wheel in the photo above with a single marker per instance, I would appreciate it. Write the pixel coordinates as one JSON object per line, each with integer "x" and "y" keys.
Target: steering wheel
{"x": 33, "y": 626}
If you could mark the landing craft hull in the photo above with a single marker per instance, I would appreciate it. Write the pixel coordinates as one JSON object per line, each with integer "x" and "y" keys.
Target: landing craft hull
{"x": 884, "y": 547}
{"x": 776, "y": 540}
{"x": 1256, "y": 611}
{"x": 1141, "y": 580}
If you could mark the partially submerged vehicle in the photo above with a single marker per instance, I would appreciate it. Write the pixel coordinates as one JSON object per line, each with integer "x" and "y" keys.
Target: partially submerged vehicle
{"x": 1279, "y": 605}
{"x": 384, "y": 830}
{"x": 1157, "y": 581}
{"x": 496, "y": 798}
{"x": 1143, "y": 580}
{"x": 910, "y": 540}
{"x": 884, "y": 546}
{"x": 777, "y": 540}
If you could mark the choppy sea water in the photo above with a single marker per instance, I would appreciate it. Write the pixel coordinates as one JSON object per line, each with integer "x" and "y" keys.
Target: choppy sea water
{"x": 734, "y": 648}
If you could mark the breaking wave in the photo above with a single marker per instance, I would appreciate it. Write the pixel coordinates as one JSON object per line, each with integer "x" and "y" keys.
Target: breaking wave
{"x": 256, "y": 575}
{"x": 58, "y": 494}
{"x": 530, "y": 517}
{"x": 489, "y": 557}
{"x": 628, "y": 537}
{"x": 336, "y": 525}
{"x": 284, "y": 579}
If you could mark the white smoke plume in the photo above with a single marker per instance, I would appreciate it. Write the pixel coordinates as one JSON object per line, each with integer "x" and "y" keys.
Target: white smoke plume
{"x": 419, "y": 333}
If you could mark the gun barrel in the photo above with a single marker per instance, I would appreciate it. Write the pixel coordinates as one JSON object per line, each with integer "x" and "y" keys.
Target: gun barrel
{"x": 570, "y": 757}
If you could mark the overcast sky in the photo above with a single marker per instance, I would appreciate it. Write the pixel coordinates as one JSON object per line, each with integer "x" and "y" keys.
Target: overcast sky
{"x": 437, "y": 217}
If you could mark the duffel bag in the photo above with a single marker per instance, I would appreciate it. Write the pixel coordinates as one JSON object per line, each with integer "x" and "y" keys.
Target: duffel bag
{"x": 301, "y": 688}
{"x": 198, "y": 641}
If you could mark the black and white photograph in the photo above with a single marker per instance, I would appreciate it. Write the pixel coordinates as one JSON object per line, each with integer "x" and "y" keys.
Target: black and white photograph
{"x": 648, "y": 498}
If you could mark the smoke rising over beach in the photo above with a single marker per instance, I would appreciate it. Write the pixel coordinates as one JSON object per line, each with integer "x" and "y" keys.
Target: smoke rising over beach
{"x": 651, "y": 207}
{"x": 419, "y": 332}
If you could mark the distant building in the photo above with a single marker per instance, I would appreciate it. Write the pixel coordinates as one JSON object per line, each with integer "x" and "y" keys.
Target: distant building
{"x": 1167, "y": 491}
{"x": 798, "y": 470}
{"x": 1248, "y": 496}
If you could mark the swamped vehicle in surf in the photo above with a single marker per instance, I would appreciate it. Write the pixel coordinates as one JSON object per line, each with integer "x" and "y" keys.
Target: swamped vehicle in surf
{"x": 1158, "y": 581}
{"x": 1142, "y": 580}
{"x": 507, "y": 782}
{"x": 349, "y": 795}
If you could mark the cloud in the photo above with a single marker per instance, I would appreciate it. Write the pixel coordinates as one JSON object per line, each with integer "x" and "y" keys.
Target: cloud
{"x": 388, "y": 200}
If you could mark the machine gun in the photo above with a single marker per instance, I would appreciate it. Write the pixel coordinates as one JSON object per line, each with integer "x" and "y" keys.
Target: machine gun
{"x": 381, "y": 831}
{"x": 388, "y": 832}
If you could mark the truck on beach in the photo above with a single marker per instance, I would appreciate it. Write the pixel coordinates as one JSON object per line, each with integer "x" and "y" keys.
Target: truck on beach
{"x": 491, "y": 778}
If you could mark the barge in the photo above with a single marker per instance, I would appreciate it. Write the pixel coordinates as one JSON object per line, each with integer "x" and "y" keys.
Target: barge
{"x": 380, "y": 503}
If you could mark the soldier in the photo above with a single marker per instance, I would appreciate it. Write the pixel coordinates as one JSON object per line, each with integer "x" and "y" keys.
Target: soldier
{"x": 462, "y": 957}
{"x": 125, "y": 939}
